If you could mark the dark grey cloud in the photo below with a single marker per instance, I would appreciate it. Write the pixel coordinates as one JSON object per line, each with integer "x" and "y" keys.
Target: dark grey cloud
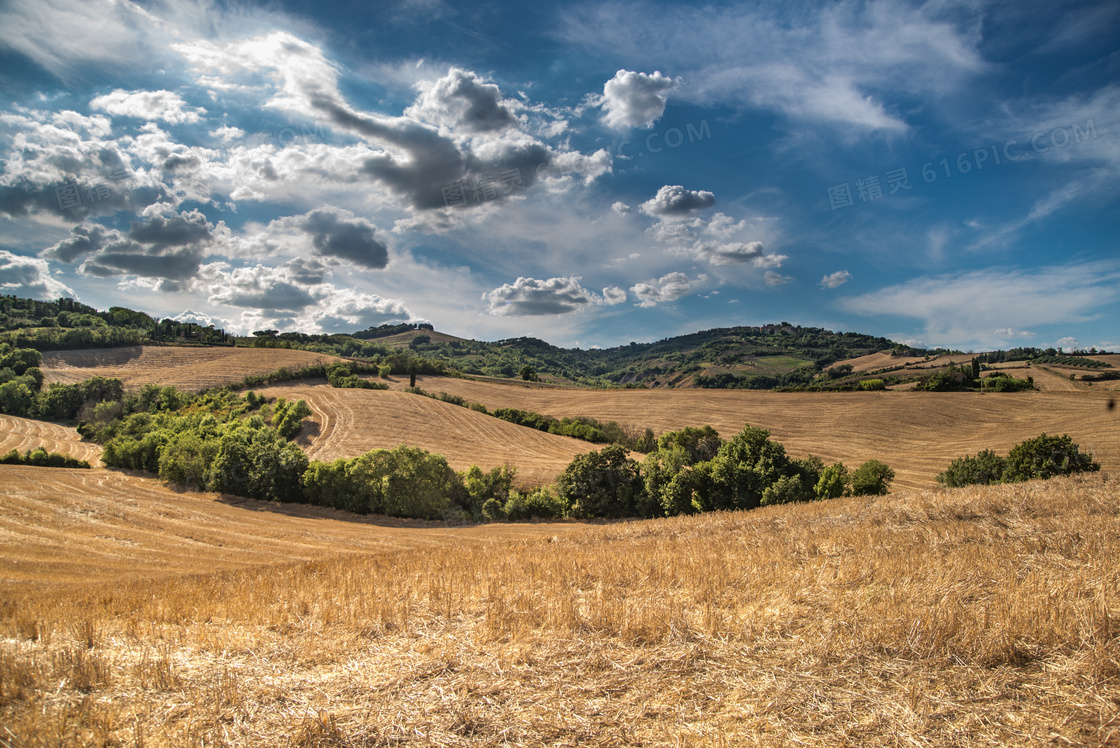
{"x": 78, "y": 199}
{"x": 350, "y": 239}
{"x": 83, "y": 240}
{"x": 174, "y": 230}
{"x": 129, "y": 258}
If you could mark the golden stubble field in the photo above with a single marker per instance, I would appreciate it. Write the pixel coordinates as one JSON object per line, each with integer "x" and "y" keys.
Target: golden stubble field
{"x": 25, "y": 434}
{"x": 350, "y": 422}
{"x": 916, "y": 433}
{"x": 187, "y": 368}
{"x": 973, "y": 617}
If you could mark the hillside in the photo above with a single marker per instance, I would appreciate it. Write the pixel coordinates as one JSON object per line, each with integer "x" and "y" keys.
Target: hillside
{"x": 24, "y": 434}
{"x": 60, "y": 527}
{"x": 917, "y": 433}
{"x": 348, "y": 422}
{"x": 188, "y": 368}
{"x": 978, "y": 617}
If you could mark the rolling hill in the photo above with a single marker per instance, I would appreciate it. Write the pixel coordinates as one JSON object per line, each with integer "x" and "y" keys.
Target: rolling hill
{"x": 188, "y": 368}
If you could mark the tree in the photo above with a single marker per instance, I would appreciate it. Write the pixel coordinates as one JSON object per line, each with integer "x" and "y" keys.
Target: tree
{"x": 745, "y": 467}
{"x": 528, "y": 374}
{"x": 833, "y": 482}
{"x": 606, "y": 483}
{"x": 872, "y": 478}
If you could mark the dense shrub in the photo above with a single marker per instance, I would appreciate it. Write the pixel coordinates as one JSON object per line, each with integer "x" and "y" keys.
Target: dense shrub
{"x": 1001, "y": 382}
{"x": 42, "y": 458}
{"x": 984, "y": 469}
{"x": 1041, "y": 457}
{"x": 1047, "y": 456}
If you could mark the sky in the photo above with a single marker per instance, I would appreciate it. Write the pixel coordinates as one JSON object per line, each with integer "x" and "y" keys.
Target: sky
{"x": 945, "y": 174}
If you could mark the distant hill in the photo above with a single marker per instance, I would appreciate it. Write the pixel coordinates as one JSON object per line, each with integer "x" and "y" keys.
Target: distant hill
{"x": 775, "y": 356}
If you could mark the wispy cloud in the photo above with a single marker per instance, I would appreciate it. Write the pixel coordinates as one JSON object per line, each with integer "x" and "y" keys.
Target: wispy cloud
{"x": 983, "y": 307}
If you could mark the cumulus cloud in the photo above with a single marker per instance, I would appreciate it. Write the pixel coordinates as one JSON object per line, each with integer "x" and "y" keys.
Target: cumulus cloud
{"x": 674, "y": 200}
{"x": 776, "y": 279}
{"x": 834, "y": 280}
{"x": 528, "y": 297}
{"x": 335, "y": 234}
{"x": 29, "y": 276}
{"x": 666, "y": 288}
{"x": 169, "y": 246}
{"x": 462, "y": 100}
{"x": 346, "y": 310}
{"x": 633, "y": 99}
{"x": 621, "y": 208}
{"x": 150, "y": 105}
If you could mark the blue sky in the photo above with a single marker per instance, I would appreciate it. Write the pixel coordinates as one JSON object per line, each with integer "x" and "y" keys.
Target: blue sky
{"x": 941, "y": 173}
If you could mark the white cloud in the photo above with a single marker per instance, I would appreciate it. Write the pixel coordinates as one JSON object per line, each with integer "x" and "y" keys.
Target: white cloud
{"x": 461, "y": 100}
{"x": 621, "y": 208}
{"x": 29, "y": 276}
{"x": 961, "y": 309}
{"x": 666, "y": 288}
{"x": 835, "y": 280}
{"x": 847, "y": 64}
{"x": 673, "y": 200}
{"x": 531, "y": 297}
{"x": 150, "y": 105}
{"x": 636, "y": 99}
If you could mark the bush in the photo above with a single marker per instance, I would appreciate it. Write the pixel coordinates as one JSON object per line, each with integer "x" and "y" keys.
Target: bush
{"x": 42, "y": 458}
{"x": 287, "y": 417}
{"x": 986, "y": 468}
{"x": 872, "y": 478}
{"x": 832, "y": 483}
{"x": 872, "y": 384}
{"x": 1047, "y": 456}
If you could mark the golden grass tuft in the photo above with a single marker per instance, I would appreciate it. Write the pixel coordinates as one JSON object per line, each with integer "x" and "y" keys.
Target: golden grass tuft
{"x": 979, "y": 617}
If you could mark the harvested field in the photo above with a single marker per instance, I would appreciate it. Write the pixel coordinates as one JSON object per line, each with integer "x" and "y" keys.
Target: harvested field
{"x": 183, "y": 367}
{"x": 880, "y": 360}
{"x": 25, "y": 434}
{"x": 350, "y": 422}
{"x": 916, "y": 433}
{"x": 975, "y": 617}
{"x": 64, "y": 527}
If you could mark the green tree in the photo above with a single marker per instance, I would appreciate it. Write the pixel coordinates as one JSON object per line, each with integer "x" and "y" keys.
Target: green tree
{"x": 872, "y": 478}
{"x": 984, "y": 469}
{"x": 606, "y": 483}
{"x": 745, "y": 467}
{"x": 1047, "y": 456}
{"x": 833, "y": 482}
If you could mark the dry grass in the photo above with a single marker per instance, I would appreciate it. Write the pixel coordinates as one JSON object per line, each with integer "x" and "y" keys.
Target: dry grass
{"x": 60, "y": 526}
{"x": 880, "y": 360}
{"x": 25, "y": 434}
{"x": 183, "y": 367}
{"x": 350, "y": 422}
{"x": 979, "y": 617}
{"x": 916, "y": 433}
